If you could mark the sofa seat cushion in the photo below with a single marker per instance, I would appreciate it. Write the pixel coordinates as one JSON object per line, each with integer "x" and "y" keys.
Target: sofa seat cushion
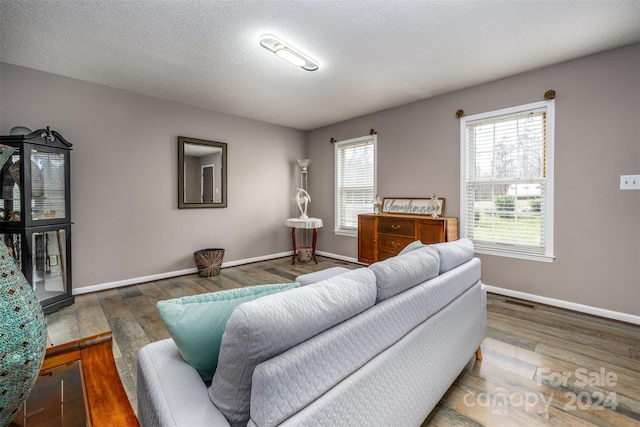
{"x": 397, "y": 274}
{"x": 453, "y": 254}
{"x": 261, "y": 329}
{"x": 196, "y": 323}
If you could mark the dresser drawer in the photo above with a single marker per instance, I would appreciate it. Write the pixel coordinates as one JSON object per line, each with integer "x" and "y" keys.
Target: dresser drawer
{"x": 398, "y": 226}
{"x": 389, "y": 243}
{"x": 382, "y": 255}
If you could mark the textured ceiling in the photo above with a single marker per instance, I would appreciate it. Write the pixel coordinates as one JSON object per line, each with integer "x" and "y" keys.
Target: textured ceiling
{"x": 373, "y": 55}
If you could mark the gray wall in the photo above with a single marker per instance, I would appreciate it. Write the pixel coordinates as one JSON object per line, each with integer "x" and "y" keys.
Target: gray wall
{"x": 597, "y": 226}
{"x": 124, "y": 176}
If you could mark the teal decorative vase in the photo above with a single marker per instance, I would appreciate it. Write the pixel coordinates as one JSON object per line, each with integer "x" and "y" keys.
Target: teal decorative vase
{"x": 23, "y": 334}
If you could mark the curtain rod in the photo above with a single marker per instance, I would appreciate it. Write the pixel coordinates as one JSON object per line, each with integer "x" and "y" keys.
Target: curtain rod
{"x": 371, "y": 132}
{"x": 550, "y": 94}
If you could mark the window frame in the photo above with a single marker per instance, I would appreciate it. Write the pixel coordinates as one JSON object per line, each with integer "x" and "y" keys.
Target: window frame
{"x": 373, "y": 139}
{"x": 504, "y": 249}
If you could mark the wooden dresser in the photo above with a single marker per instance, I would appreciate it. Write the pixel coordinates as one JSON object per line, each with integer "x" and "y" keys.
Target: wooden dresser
{"x": 381, "y": 236}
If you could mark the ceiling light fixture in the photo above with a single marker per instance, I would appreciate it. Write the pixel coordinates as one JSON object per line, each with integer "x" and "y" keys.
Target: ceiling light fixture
{"x": 289, "y": 54}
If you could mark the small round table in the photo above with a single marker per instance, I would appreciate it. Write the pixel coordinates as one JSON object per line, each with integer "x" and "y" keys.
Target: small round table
{"x": 306, "y": 224}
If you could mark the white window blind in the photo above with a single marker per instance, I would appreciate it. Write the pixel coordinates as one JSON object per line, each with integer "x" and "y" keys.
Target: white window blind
{"x": 507, "y": 178}
{"x": 355, "y": 181}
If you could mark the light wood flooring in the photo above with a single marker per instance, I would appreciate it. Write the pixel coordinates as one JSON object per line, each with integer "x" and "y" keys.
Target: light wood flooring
{"x": 541, "y": 365}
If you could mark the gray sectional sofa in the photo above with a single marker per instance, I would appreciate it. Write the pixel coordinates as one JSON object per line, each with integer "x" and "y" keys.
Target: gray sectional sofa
{"x": 371, "y": 346}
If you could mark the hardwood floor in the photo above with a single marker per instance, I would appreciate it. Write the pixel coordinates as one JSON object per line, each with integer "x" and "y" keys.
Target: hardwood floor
{"x": 541, "y": 365}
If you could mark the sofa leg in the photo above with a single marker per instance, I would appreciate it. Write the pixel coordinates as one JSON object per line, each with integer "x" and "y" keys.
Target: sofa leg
{"x": 479, "y": 354}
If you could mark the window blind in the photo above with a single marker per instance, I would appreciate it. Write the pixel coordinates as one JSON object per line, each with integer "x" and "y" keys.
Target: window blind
{"x": 355, "y": 181}
{"x": 506, "y": 199}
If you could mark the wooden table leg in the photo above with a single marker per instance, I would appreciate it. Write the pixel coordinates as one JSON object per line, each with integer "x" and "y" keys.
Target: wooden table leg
{"x": 479, "y": 354}
{"x": 293, "y": 240}
{"x": 313, "y": 247}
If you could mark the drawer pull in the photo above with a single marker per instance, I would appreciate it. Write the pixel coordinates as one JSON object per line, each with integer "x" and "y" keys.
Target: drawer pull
{"x": 395, "y": 244}
{"x": 395, "y": 227}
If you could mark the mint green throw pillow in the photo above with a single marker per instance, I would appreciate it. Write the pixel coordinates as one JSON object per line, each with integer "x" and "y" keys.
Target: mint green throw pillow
{"x": 196, "y": 323}
{"x": 412, "y": 246}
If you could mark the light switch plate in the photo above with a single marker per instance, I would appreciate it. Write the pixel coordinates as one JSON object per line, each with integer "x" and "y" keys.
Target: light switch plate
{"x": 630, "y": 182}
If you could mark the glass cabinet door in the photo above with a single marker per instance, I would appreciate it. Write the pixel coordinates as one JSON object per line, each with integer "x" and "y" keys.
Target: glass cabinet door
{"x": 49, "y": 277}
{"x": 10, "y": 193}
{"x": 47, "y": 185}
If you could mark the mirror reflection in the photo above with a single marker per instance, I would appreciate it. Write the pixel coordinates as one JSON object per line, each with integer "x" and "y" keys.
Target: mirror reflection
{"x": 202, "y": 169}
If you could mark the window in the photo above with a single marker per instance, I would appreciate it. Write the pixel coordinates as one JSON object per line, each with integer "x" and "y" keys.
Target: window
{"x": 355, "y": 182}
{"x": 507, "y": 181}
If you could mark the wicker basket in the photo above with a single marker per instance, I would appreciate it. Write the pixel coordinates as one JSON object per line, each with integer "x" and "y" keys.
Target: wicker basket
{"x": 305, "y": 254}
{"x": 208, "y": 261}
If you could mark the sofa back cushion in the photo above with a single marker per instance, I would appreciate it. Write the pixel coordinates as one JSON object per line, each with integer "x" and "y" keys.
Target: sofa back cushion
{"x": 397, "y": 274}
{"x": 455, "y": 253}
{"x": 263, "y": 328}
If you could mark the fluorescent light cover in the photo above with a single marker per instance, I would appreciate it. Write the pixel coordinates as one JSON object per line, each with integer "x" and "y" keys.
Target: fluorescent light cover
{"x": 291, "y": 57}
{"x": 286, "y": 52}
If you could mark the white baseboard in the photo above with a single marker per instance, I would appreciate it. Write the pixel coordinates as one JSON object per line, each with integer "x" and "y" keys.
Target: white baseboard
{"x": 168, "y": 274}
{"x": 336, "y": 256}
{"x": 610, "y": 314}
{"x": 601, "y": 312}
{"x": 256, "y": 259}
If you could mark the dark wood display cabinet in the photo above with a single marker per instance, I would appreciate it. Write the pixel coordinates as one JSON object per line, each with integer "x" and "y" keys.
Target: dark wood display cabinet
{"x": 35, "y": 213}
{"x": 381, "y": 236}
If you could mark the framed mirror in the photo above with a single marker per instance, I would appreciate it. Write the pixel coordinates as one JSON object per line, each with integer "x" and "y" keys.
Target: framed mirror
{"x": 202, "y": 173}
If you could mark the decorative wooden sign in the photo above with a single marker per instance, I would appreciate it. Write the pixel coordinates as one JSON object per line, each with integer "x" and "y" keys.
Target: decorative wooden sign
{"x": 417, "y": 206}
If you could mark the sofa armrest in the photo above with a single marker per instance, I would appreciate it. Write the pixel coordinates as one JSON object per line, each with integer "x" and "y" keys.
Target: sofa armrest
{"x": 170, "y": 391}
